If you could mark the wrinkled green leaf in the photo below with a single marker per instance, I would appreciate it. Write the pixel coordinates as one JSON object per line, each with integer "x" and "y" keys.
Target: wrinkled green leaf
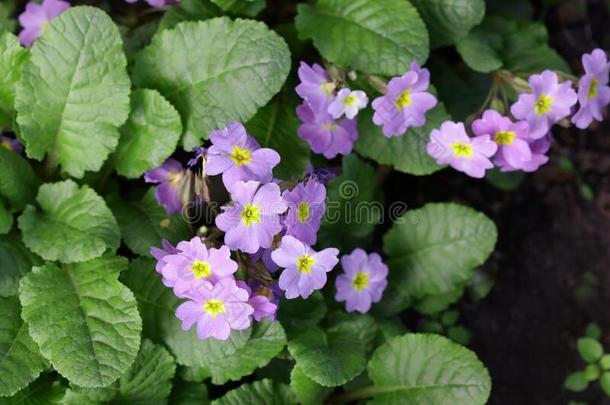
{"x": 375, "y": 36}
{"x": 144, "y": 223}
{"x": 83, "y": 310}
{"x": 352, "y": 207}
{"x": 263, "y": 392}
{"x": 41, "y": 392}
{"x": 20, "y": 359}
{"x": 298, "y": 314}
{"x": 481, "y": 50}
{"x": 214, "y": 71}
{"x": 15, "y": 261}
{"x": 6, "y": 219}
{"x": 406, "y": 153}
{"x": 12, "y": 57}
{"x": 74, "y": 223}
{"x": 305, "y": 389}
{"x": 434, "y": 249}
{"x": 189, "y": 393}
{"x": 275, "y": 126}
{"x": 247, "y": 8}
{"x": 430, "y": 369}
{"x": 18, "y": 182}
{"x": 74, "y": 91}
{"x": 449, "y": 21}
{"x": 149, "y": 136}
{"x": 189, "y": 10}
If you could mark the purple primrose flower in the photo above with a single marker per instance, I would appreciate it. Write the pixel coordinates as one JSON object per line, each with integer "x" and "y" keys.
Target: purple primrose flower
{"x": 593, "y": 90}
{"x": 306, "y": 207}
{"x": 347, "y": 103}
{"x": 451, "y": 145}
{"x": 169, "y": 176}
{"x": 239, "y": 157}
{"x": 253, "y": 218}
{"x": 161, "y": 253}
{"x": 549, "y": 102}
{"x": 262, "y": 305}
{"x": 362, "y": 282}
{"x": 11, "y": 144}
{"x": 35, "y": 18}
{"x": 405, "y": 103}
{"x": 316, "y": 87}
{"x": 304, "y": 268}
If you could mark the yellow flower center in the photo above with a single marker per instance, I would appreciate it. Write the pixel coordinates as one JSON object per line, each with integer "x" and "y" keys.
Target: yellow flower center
{"x": 250, "y": 214}
{"x": 360, "y": 281}
{"x": 330, "y": 126}
{"x": 593, "y": 88}
{"x": 6, "y": 144}
{"x": 214, "y": 307}
{"x": 201, "y": 269}
{"x": 328, "y": 88}
{"x": 462, "y": 149}
{"x": 304, "y": 263}
{"x": 543, "y": 105}
{"x": 404, "y": 100}
{"x": 240, "y": 156}
{"x": 303, "y": 212}
{"x": 350, "y": 100}
{"x": 505, "y": 137}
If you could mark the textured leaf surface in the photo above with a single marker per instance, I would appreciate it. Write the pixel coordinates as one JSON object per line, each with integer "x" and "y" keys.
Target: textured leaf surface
{"x": 12, "y": 57}
{"x": 214, "y": 71}
{"x": 263, "y": 392}
{"x": 40, "y": 392}
{"x": 148, "y": 381}
{"x": 427, "y": 369}
{"x": 297, "y": 314}
{"x": 15, "y": 261}
{"x": 375, "y": 36}
{"x": 18, "y": 182}
{"x": 449, "y": 21}
{"x": 74, "y": 91}
{"x": 352, "y": 207}
{"x": 275, "y": 126}
{"x": 189, "y": 10}
{"x": 307, "y": 391}
{"x": 6, "y": 219}
{"x": 74, "y": 225}
{"x": 247, "y": 8}
{"x": 331, "y": 357}
{"x": 481, "y": 50}
{"x": 406, "y": 153}
{"x": 149, "y": 136}
{"x": 20, "y": 359}
{"x": 434, "y": 249}
{"x": 144, "y": 223}
{"x": 83, "y": 310}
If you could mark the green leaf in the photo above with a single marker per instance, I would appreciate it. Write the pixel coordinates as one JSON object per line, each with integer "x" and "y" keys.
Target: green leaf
{"x": 6, "y": 219}
{"x": 20, "y": 359}
{"x": 375, "y": 36}
{"x": 590, "y": 349}
{"x": 430, "y": 369}
{"x": 262, "y": 392}
{"x": 189, "y": 393}
{"x": 18, "y": 182}
{"x": 43, "y": 391}
{"x": 506, "y": 181}
{"x": 248, "y": 8}
{"x": 433, "y": 304}
{"x": 15, "y": 261}
{"x": 74, "y": 225}
{"x": 7, "y": 10}
{"x": 449, "y": 21}
{"x": 297, "y": 314}
{"x": 227, "y": 360}
{"x": 74, "y": 91}
{"x": 275, "y": 126}
{"x": 83, "y": 310}
{"x": 604, "y": 362}
{"x": 148, "y": 381}
{"x": 149, "y": 136}
{"x": 331, "y": 357}
{"x": 592, "y": 372}
{"x": 481, "y": 50}
{"x": 155, "y": 301}
{"x": 604, "y": 382}
{"x": 189, "y": 10}
{"x": 435, "y": 249}
{"x": 12, "y": 57}
{"x": 352, "y": 207}
{"x": 214, "y": 71}
{"x": 306, "y": 390}
{"x": 406, "y": 153}
{"x": 576, "y": 382}
{"x": 144, "y": 223}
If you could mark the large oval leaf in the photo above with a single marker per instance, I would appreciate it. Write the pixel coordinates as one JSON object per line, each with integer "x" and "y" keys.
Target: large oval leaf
{"x": 427, "y": 369}
{"x": 12, "y": 57}
{"x": 20, "y": 359}
{"x": 85, "y": 322}
{"x": 15, "y": 261}
{"x": 74, "y": 225}
{"x": 214, "y": 71}
{"x": 435, "y": 249}
{"x": 74, "y": 91}
{"x": 375, "y": 36}
{"x": 149, "y": 136}
{"x": 18, "y": 182}
{"x": 263, "y": 392}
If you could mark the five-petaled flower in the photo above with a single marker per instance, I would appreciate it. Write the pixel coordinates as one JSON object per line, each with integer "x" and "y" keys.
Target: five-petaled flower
{"x": 306, "y": 207}
{"x": 316, "y": 87}
{"x": 347, "y": 103}
{"x": 362, "y": 282}
{"x": 593, "y": 90}
{"x": 170, "y": 176}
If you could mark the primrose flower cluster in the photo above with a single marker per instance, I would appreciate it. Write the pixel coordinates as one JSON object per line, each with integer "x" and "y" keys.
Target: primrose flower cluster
{"x": 523, "y": 143}
{"x": 271, "y": 228}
